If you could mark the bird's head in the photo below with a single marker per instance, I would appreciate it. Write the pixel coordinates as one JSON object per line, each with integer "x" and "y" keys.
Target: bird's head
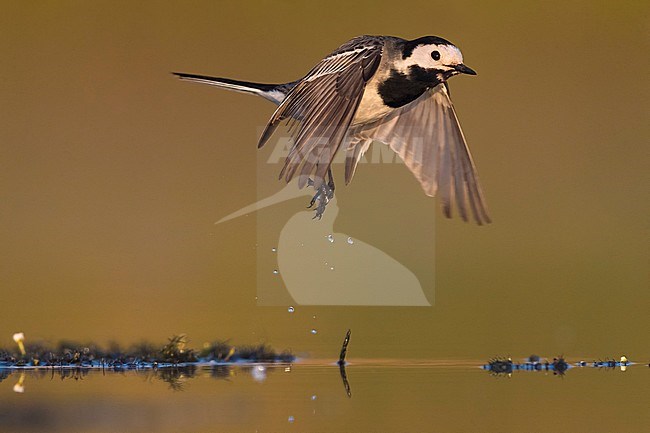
{"x": 431, "y": 57}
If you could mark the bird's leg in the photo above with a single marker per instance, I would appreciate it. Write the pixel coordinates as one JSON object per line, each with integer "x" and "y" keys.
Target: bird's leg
{"x": 324, "y": 193}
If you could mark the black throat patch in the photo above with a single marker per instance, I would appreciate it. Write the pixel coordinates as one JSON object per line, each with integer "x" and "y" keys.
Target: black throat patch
{"x": 400, "y": 89}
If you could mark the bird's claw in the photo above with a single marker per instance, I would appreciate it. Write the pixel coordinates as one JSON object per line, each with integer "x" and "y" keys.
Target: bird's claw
{"x": 324, "y": 193}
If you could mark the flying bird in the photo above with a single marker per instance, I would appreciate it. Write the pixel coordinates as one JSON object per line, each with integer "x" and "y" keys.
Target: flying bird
{"x": 375, "y": 88}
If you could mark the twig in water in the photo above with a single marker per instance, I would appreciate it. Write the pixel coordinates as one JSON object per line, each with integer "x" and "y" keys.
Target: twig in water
{"x": 344, "y": 348}
{"x": 341, "y": 363}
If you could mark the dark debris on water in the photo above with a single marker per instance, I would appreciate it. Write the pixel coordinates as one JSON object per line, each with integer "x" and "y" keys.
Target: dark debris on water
{"x": 174, "y": 353}
{"x": 559, "y": 366}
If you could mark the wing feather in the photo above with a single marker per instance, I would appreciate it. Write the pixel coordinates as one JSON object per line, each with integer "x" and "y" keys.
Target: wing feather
{"x": 320, "y": 108}
{"x": 355, "y": 152}
{"x": 427, "y": 136}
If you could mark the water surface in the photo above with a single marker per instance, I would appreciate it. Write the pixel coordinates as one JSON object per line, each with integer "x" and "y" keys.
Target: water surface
{"x": 385, "y": 396}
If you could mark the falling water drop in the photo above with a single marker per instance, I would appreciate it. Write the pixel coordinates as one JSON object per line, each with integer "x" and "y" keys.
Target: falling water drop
{"x": 314, "y": 331}
{"x": 330, "y": 238}
{"x": 350, "y": 240}
{"x": 274, "y": 250}
{"x": 291, "y": 309}
{"x": 275, "y": 272}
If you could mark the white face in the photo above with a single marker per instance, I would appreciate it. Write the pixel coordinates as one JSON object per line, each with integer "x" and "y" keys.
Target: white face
{"x": 449, "y": 56}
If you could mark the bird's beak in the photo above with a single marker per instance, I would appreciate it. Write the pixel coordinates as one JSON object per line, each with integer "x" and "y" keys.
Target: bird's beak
{"x": 465, "y": 69}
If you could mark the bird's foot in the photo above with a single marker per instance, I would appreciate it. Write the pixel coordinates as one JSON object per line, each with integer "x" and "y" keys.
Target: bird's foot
{"x": 324, "y": 193}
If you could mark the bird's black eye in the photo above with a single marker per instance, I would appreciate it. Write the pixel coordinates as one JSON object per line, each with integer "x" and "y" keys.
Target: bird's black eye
{"x": 435, "y": 55}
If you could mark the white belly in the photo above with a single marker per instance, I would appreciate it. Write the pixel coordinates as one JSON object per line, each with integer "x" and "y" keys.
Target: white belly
{"x": 371, "y": 108}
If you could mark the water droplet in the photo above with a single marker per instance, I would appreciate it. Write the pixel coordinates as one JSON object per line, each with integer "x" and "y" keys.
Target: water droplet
{"x": 275, "y": 272}
{"x": 291, "y": 309}
{"x": 350, "y": 240}
{"x": 313, "y": 317}
{"x": 314, "y": 397}
{"x": 274, "y": 250}
{"x": 314, "y": 331}
{"x": 330, "y": 237}
{"x": 291, "y": 419}
{"x": 331, "y": 268}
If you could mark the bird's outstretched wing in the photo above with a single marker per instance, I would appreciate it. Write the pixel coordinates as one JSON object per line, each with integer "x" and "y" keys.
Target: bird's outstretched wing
{"x": 322, "y": 105}
{"x": 427, "y": 136}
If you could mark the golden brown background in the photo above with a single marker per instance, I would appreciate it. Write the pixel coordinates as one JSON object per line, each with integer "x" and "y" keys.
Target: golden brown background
{"x": 112, "y": 174}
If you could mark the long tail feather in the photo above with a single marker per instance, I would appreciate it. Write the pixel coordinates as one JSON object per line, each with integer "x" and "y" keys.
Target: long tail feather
{"x": 272, "y": 92}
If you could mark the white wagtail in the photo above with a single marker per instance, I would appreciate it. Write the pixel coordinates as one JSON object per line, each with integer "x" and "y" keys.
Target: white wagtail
{"x": 379, "y": 88}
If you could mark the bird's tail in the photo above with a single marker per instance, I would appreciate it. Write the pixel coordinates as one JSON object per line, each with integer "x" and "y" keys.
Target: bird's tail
{"x": 272, "y": 92}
